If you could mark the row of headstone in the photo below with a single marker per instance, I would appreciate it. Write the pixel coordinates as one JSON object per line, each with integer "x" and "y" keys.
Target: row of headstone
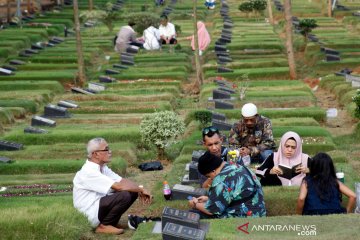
{"x": 331, "y": 55}
{"x": 221, "y": 51}
{"x": 181, "y": 224}
{"x": 278, "y": 5}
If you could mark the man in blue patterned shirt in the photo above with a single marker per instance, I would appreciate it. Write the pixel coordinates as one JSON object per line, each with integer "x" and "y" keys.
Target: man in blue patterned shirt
{"x": 234, "y": 192}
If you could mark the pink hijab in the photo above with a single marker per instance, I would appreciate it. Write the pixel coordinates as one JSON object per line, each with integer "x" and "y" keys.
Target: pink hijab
{"x": 298, "y": 157}
{"x": 203, "y": 37}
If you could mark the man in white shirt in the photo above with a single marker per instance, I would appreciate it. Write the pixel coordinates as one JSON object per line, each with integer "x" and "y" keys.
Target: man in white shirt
{"x": 102, "y": 195}
{"x": 167, "y": 31}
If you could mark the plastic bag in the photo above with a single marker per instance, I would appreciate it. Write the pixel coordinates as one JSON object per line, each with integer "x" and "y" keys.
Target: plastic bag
{"x": 151, "y": 166}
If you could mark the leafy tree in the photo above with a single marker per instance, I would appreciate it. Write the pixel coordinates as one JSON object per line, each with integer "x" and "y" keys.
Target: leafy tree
{"x": 142, "y": 20}
{"x": 306, "y": 26}
{"x": 161, "y": 129}
{"x": 356, "y": 100}
{"x": 246, "y": 7}
{"x": 253, "y": 6}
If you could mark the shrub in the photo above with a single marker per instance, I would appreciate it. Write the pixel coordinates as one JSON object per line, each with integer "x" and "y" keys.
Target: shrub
{"x": 356, "y": 100}
{"x": 161, "y": 129}
{"x": 203, "y": 116}
{"x": 143, "y": 20}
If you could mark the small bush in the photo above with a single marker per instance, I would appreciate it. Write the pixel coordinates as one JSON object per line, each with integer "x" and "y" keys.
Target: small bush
{"x": 356, "y": 100}
{"x": 161, "y": 129}
{"x": 203, "y": 116}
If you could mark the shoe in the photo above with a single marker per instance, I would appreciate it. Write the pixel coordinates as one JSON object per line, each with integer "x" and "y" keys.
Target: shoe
{"x": 134, "y": 221}
{"x": 108, "y": 229}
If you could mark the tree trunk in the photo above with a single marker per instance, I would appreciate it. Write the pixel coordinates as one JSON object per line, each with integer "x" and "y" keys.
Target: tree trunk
{"x": 81, "y": 68}
{"x": 28, "y": 6}
{"x": 18, "y": 13}
{"x": 199, "y": 75}
{"x": 289, "y": 41}
{"x": 91, "y": 5}
{"x": 329, "y": 8}
{"x": 271, "y": 18}
{"x": 8, "y": 11}
{"x": 161, "y": 153}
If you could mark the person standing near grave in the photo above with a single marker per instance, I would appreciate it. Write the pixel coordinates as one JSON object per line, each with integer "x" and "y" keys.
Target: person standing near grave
{"x": 203, "y": 38}
{"x": 289, "y": 154}
{"x": 102, "y": 195}
{"x": 212, "y": 141}
{"x": 234, "y": 192}
{"x": 253, "y": 134}
{"x": 321, "y": 192}
{"x": 125, "y": 36}
{"x": 167, "y": 31}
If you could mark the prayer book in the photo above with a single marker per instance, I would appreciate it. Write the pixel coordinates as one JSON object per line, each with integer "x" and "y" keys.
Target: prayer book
{"x": 289, "y": 172}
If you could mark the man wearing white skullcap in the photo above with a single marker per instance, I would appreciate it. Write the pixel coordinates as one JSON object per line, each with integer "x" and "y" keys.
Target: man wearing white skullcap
{"x": 252, "y": 134}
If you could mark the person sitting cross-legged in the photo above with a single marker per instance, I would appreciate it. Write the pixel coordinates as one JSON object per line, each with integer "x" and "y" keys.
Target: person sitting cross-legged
{"x": 167, "y": 31}
{"x": 234, "y": 192}
{"x": 102, "y": 195}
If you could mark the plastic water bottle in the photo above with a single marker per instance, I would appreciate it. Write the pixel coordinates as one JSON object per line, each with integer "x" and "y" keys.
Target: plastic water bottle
{"x": 167, "y": 191}
{"x": 246, "y": 160}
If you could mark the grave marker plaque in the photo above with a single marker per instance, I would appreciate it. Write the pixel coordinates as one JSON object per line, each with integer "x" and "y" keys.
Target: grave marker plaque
{"x": 111, "y": 71}
{"x": 226, "y": 89}
{"x": 193, "y": 171}
{"x": 10, "y": 146}
{"x": 218, "y": 116}
{"x": 6, "y": 72}
{"x": 196, "y": 155}
{"x": 174, "y": 231}
{"x": 222, "y": 126}
{"x": 183, "y": 217}
{"x": 36, "y": 47}
{"x": 106, "y": 79}
{"x": 67, "y": 104}
{"x": 41, "y": 121}
{"x": 132, "y": 49}
{"x": 224, "y": 70}
{"x": 97, "y": 87}
{"x": 51, "y": 110}
{"x": 182, "y": 192}
{"x": 5, "y": 160}
{"x": 120, "y": 66}
{"x": 218, "y": 94}
{"x": 332, "y": 58}
{"x": 16, "y": 62}
{"x": 9, "y": 67}
{"x": 31, "y": 51}
{"x": 223, "y": 105}
{"x": 186, "y": 180}
{"x": 82, "y": 91}
{"x": 35, "y": 130}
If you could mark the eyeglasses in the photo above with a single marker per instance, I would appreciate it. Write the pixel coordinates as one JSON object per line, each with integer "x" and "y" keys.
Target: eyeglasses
{"x": 210, "y": 131}
{"x": 107, "y": 149}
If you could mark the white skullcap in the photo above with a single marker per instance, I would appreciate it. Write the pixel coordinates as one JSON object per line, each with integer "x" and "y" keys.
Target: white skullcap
{"x": 249, "y": 110}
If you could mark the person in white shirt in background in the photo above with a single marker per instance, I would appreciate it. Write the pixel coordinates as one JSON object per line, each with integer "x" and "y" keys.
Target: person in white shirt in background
{"x": 151, "y": 38}
{"x": 167, "y": 31}
{"x": 102, "y": 195}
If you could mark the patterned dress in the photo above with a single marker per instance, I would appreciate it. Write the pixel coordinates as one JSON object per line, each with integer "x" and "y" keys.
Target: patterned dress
{"x": 236, "y": 192}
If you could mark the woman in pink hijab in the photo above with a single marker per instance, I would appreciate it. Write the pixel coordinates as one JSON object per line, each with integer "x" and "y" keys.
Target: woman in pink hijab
{"x": 288, "y": 166}
{"x": 203, "y": 38}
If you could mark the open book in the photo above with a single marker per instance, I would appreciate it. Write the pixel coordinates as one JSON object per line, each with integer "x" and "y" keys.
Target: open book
{"x": 289, "y": 172}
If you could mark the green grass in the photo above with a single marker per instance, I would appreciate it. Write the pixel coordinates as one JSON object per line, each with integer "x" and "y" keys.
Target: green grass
{"x": 31, "y": 85}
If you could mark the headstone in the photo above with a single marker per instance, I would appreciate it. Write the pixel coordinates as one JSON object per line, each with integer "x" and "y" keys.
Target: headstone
{"x": 183, "y": 217}
{"x": 36, "y": 46}
{"x": 16, "y": 62}
{"x": 224, "y": 54}
{"x": 132, "y": 49}
{"x": 223, "y": 105}
{"x": 89, "y": 24}
{"x": 224, "y": 40}
{"x": 355, "y": 83}
{"x": 67, "y": 104}
{"x": 120, "y": 66}
{"x": 332, "y": 58}
{"x": 228, "y": 25}
{"x": 10, "y": 146}
{"x": 97, "y": 87}
{"x": 220, "y": 48}
{"x": 193, "y": 171}
{"x": 58, "y": 39}
{"x": 52, "y": 41}
{"x": 127, "y": 62}
{"x": 174, "y": 231}
{"x": 35, "y": 130}
{"x": 111, "y": 71}
{"x": 82, "y": 91}
{"x": 223, "y": 59}
{"x": 226, "y": 89}
{"x": 221, "y": 125}
{"x": 196, "y": 155}
{"x": 5, "y": 160}
{"x": 31, "y": 51}
{"x": 24, "y": 54}
{"x": 41, "y": 121}
{"x": 224, "y": 70}
{"x": 218, "y": 116}
{"x": 182, "y": 192}
{"x": 106, "y": 79}
{"x": 218, "y": 94}
{"x": 329, "y": 51}
{"x": 50, "y": 44}
{"x": 9, "y": 67}
{"x": 51, "y": 110}
{"x": 186, "y": 180}
{"x": 4, "y": 71}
